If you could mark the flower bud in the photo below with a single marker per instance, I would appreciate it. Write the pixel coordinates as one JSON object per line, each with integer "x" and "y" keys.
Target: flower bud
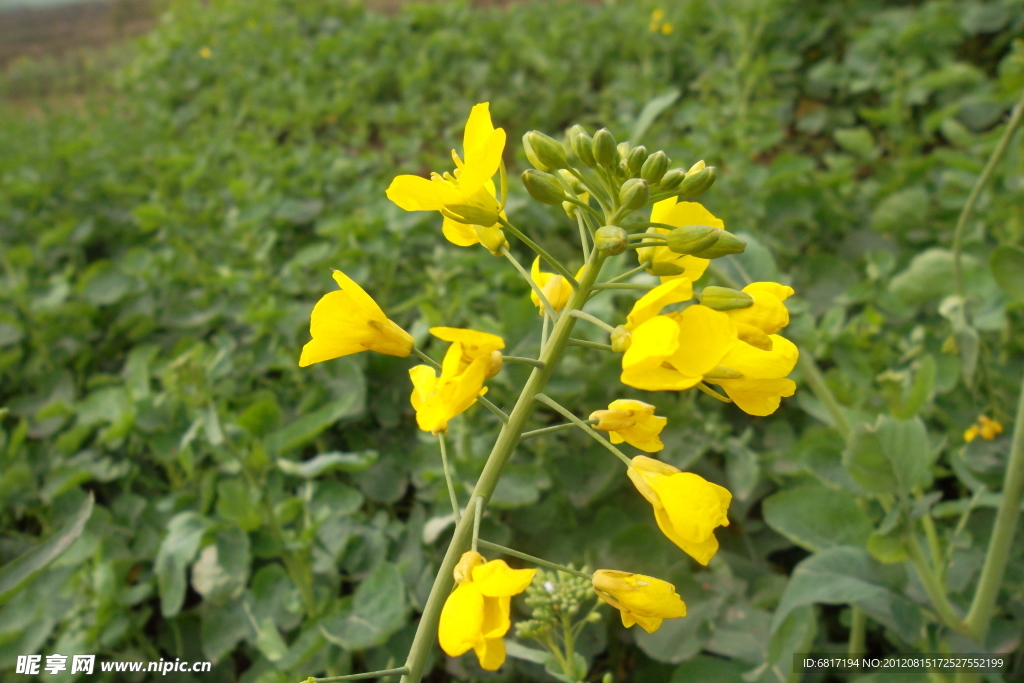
{"x": 611, "y": 240}
{"x": 725, "y": 298}
{"x": 613, "y": 420}
{"x": 605, "y": 152}
{"x": 494, "y": 363}
{"x": 726, "y": 244}
{"x": 671, "y": 180}
{"x": 492, "y": 238}
{"x": 634, "y": 194}
{"x": 543, "y": 187}
{"x": 635, "y": 160}
{"x": 467, "y": 563}
{"x": 697, "y": 183}
{"x": 689, "y": 239}
{"x": 546, "y": 150}
{"x": 621, "y": 339}
{"x": 471, "y": 214}
{"x": 654, "y": 167}
{"x": 664, "y": 269}
{"x": 582, "y": 145}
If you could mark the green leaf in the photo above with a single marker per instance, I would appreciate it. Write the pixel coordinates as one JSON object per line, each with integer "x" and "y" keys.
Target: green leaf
{"x": 795, "y": 634}
{"x": 222, "y": 570}
{"x": 238, "y": 503}
{"x": 708, "y": 669}
{"x": 901, "y": 211}
{"x": 308, "y": 427}
{"x": 886, "y": 543}
{"x": 179, "y": 547}
{"x": 269, "y": 640}
{"x": 816, "y": 518}
{"x": 328, "y": 462}
{"x": 1008, "y": 268}
{"x": 651, "y": 111}
{"x": 857, "y": 140}
{"x": 378, "y": 610}
{"x": 893, "y": 456}
{"x": 527, "y": 654}
{"x": 921, "y": 388}
{"x": 22, "y": 569}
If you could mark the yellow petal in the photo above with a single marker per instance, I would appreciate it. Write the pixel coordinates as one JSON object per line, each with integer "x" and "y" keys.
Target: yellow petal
{"x": 478, "y": 127}
{"x": 690, "y": 213}
{"x": 496, "y": 617}
{"x": 459, "y": 234}
{"x": 491, "y": 654}
{"x": 423, "y": 382}
{"x": 461, "y": 620}
{"x": 780, "y": 292}
{"x": 474, "y": 343}
{"x": 359, "y": 296}
{"x": 701, "y": 551}
{"x": 653, "y": 340}
{"x": 705, "y": 336}
{"x": 649, "y": 624}
{"x": 661, "y": 210}
{"x": 755, "y": 363}
{"x": 767, "y": 313}
{"x": 413, "y": 193}
{"x": 757, "y": 396}
{"x": 692, "y": 266}
{"x": 652, "y": 466}
{"x": 651, "y": 303}
{"x": 497, "y": 579}
{"x": 482, "y": 163}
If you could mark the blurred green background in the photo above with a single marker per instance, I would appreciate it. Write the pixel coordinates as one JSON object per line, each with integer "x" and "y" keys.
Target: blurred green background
{"x": 170, "y": 210}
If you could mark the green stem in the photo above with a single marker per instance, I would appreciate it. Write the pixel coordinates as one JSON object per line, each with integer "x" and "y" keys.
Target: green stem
{"x": 448, "y": 477}
{"x": 629, "y": 273}
{"x": 622, "y": 285}
{"x": 582, "y": 223}
{"x": 593, "y": 319}
{"x": 503, "y": 176}
{"x": 508, "y": 438}
{"x": 934, "y": 549}
{"x": 478, "y": 513}
{"x": 858, "y": 631}
{"x": 570, "y": 648}
{"x": 596, "y": 193}
{"x": 814, "y": 378}
{"x": 523, "y": 361}
{"x": 712, "y": 393}
{"x": 723, "y": 277}
{"x": 584, "y": 426}
{"x": 358, "y": 677}
{"x": 426, "y": 359}
{"x": 1001, "y": 541}
{"x": 552, "y": 261}
{"x": 947, "y": 615}
{"x": 555, "y": 428}
{"x": 544, "y": 331}
{"x": 997, "y": 155}
{"x": 590, "y": 345}
{"x": 582, "y": 204}
{"x": 548, "y": 308}
{"x": 535, "y": 560}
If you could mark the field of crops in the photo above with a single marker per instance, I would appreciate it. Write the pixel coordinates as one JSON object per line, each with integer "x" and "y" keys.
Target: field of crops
{"x": 173, "y": 485}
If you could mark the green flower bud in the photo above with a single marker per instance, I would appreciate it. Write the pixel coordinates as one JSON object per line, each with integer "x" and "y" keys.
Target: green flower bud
{"x": 653, "y": 169}
{"x": 726, "y": 244}
{"x": 543, "y": 187}
{"x": 699, "y": 182}
{"x": 690, "y": 239}
{"x": 621, "y": 339}
{"x": 725, "y": 298}
{"x": 671, "y": 180}
{"x": 470, "y": 214}
{"x": 582, "y": 145}
{"x": 531, "y": 155}
{"x": 605, "y": 153}
{"x": 634, "y": 194}
{"x": 664, "y": 269}
{"x": 635, "y": 160}
{"x": 548, "y": 151}
{"x": 611, "y": 240}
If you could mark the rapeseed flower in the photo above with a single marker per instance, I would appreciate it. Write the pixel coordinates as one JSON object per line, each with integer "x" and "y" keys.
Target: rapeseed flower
{"x": 640, "y": 599}
{"x": 476, "y": 614}
{"x": 687, "y": 507}
{"x": 633, "y": 422}
{"x": 556, "y": 288}
{"x": 765, "y": 317}
{"x": 438, "y": 399}
{"x": 665, "y": 262}
{"x": 985, "y": 427}
{"x": 762, "y": 382}
{"x": 349, "y": 321}
{"x": 468, "y": 191}
{"x": 474, "y": 345}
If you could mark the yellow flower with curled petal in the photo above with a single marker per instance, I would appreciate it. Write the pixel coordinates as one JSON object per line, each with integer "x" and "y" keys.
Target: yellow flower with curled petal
{"x": 476, "y": 614}
{"x": 438, "y": 399}
{"x": 663, "y": 259}
{"x": 470, "y": 185}
{"x": 633, "y": 422}
{"x": 640, "y": 599}
{"x": 556, "y": 288}
{"x": 763, "y": 383}
{"x": 687, "y": 507}
{"x": 474, "y": 345}
{"x": 985, "y": 427}
{"x": 765, "y": 317}
{"x": 349, "y": 321}
{"x": 674, "y": 352}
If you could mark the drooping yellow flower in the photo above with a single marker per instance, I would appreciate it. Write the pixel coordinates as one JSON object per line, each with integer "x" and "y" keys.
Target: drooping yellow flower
{"x": 687, "y": 507}
{"x": 765, "y": 317}
{"x": 349, "y": 321}
{"x": 470, "y": 185}
{"x": 555, "y": 287}
{"x": 474, "y": 345}
{"x": 678, "y": 214}
{"x": 640, "y": 599}
{"x": 763, "y": 383}
{"x": 633, "y": 422}
{"x": 438, "y": 399}
{"x": 476, "y": 615}
{"x": 673, "y": 352}
{"x": 985, "y": 427}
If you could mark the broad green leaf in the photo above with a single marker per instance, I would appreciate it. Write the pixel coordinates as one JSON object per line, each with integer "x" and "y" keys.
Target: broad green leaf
{"x": 816, "y": 518}
{"x": 328, "y": 462}
{"x": 378, "y": 610}
{"x": 708, "y": 669}
{"x": 179, "y": 547}
{"x": 269, "y": 641}
{"x": 238, "y": 503}
{"x": 929, "y": 276}
{"x": 893, "y": 456}
{"x": 901, "y": 211}
{"x": 920, "y": 389}
{"x": 19, "y": 571}
{"x": 857, "y": 140}
{"x": 1008, "y": 268}
{"x": 221, "y": 572}
{"x": 308, "y": 427}
{"x": 680, "y": 639}
{"x": 527, "y": 654}
{"x": 795, "y": 634}
{"x": 223, "y": 626}
{"x": 651, "y": 111}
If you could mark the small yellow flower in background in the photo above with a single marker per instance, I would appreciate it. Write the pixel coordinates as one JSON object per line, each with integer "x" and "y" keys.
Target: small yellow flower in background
{"x": 350, "y": 321}
{"x": 658, "y": 23}
{"x": 666, "y": 28}
{"x": 633, "y": 422}
{"x": 640, "y": 599}
{"x": 687, "y": 507}
{"x": 470, "y": 185}
{"x": 474, "y": 345}
{"x": 476, "y": 615}
{"x": 985, "y": 427}
{"x": 765, "y": 317}
{"x": 438, "y": 399}
{"x": 205, "y": 52}
{"x": 555, "y": 287}
{"x": 677, "y": 214}
{"x": 763, "y": 383}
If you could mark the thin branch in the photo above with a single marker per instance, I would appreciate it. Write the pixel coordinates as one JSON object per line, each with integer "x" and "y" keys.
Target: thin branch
{"x": 523, "y": 361}
{"x": 621, "y": 285}
{"x": 536, "y": 288}
{"x": 448, "y": 477}
{"x": 535, "y": 560}
{"x": 593, "y": 320}
{"x": 498, "y": 412}
{"x": 426, "y": 359}
{"x": 589, "y": 344}
{"x": 584, "y": 426}
{"x": 629, "y": 273}
{"x": 358, "y": 677}
{"x": 552, "y": 261}
{"x": 478, "y": 512}
{"x": 551, "y": 430}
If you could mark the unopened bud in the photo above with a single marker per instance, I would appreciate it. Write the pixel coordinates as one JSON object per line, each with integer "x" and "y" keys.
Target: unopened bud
{"x": 471, "y": 214}
{"x": 654, "y": 167}
{"x": 635, "y": 160}
{"x": 726, "y": 244}
{"x": 605, "y": 152}
{"x": 697, "y": 183}
{"x": 613, "y": 420}
{"x": 665, "y": 268}
{"x": 621, "y": 339}
{"x": 696, "y": 168}
{"x": 671, "y": 180}
{"x": 582, "y": 145}
{"x": 492, "y": 238}
{"x": 611, "y": 240}
{"x": 494, "y": 363}
{"x": 690, "y": 239}
{"x": 725, "y": 298}
{"x": 543, "y": 187}
{"x": 548, "y": 153}
{"x": 634, "y": 194}
{"x": 623, "y": 149}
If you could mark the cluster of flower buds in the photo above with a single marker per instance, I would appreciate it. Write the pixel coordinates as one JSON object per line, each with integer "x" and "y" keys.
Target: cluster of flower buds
{"x": 552, "y": 596}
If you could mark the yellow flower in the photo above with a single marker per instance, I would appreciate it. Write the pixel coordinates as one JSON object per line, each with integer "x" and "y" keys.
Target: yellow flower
{"x": 766, "y": 316}
{"x": 640, "y": 599}
{"x": 650, "y": 304}
{"x": 205, "y": 52}
{"x": 476, "y": 615}
{"x": 686, "y": 506}
{"x": 439, "y": 399}
{"x": 763, "y": 383}
{"x": 666, "y": 28}
{"x": 633, "y": 422}
{"x": 670, "y": 212}
{"x": 986, "y": 427}
{"x": 556, "y": 288}
{"x": 673, "y": 352}
{"x": 350, "y": 321}
{"x": 470, "y": 185}
{"x": 474, "y": 345}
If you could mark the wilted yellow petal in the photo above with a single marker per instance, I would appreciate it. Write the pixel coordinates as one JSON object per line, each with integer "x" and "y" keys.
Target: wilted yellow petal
{"x": 459, "y": 234}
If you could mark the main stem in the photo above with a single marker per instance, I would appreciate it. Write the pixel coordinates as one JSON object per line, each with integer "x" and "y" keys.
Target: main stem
{"x": 508, "y": 438}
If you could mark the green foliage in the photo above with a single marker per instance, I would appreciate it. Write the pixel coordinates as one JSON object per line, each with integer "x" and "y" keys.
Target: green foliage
{"x": 163, "y": 240}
